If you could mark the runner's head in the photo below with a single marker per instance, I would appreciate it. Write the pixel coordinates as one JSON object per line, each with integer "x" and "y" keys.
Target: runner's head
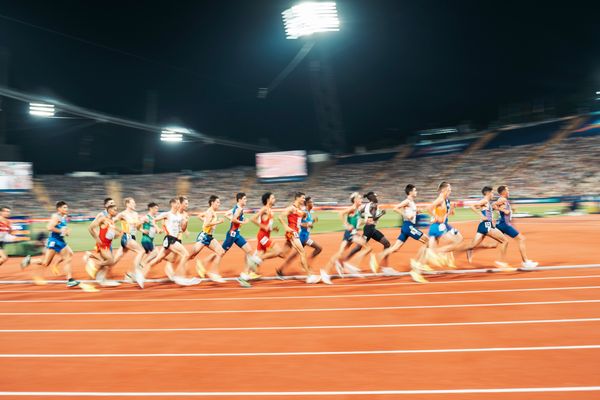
{"x": 111, "y": 210}
{"x": 445, "y": 189}
{"x": 129, "y": 203}
{"x": 488, "y": 192}
{"x": 411, "y": 190}
{"x": 241, "y": 199}
{"x": 268, "y": 199}
{"x": 372, "y": 197}
{"x": 355, "y": 198}
{"x": 152, "y": 208}
{"x": 5, "y": 212}
{"x": 62, "y": 208}
{"x": 183, "y": 203}
{"x": 503, "y": 191}
{"x": 308, "y": 202}
{"x": 214, "y": 202}
{"x": 108, "y": 201}
{"x": 174, "y": 204}
{"x": 299, "y": 198}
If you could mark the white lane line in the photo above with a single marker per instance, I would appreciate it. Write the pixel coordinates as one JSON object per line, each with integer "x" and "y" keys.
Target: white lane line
{"x": 367, "y": 275}
{"x": 310, "y": 327}
{"x": 307, "y": 353}
{"x": 300, "y": 310}
{"x": 341, "y": 296}
{"x": 560, "y": 389}
{"x": 337, "y": 285}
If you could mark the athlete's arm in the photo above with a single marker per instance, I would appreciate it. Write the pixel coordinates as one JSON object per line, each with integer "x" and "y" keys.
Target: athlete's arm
{"x": 54, "y": 220}
{"x": 501, "y": 206}
{"x": 92, "y": 228}
{"x": 476, "y": 208}
{"x": 283, "y": 216}
{"x": 452, "y": 210}
{"x": 235, "y": 217}
{"x": 400, "y": 207}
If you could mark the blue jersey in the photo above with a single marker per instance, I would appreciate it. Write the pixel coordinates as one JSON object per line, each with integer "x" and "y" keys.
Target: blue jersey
{"x": 233, "y": 227}
{"x": 505, "y": 218}
{"x": 308, "y": 219}
{"x": 62, "y": 223}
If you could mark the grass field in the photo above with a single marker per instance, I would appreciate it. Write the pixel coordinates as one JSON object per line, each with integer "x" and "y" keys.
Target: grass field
{"x": 328, "y": 221}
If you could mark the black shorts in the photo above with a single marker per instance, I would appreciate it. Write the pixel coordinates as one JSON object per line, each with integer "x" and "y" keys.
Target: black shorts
{"x": 370, "y": 231}
{"x": 169, "y": 240}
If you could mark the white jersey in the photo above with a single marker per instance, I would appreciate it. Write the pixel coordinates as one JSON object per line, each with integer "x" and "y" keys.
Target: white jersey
{"x": 173, "y": 223}
{"x": 410, "y": 212}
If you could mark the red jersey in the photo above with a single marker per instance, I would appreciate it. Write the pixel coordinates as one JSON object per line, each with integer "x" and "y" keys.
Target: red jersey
{"x": 107, "y": 233}
{"x": 5, "y": 227}
{"x": 294, "y": 219}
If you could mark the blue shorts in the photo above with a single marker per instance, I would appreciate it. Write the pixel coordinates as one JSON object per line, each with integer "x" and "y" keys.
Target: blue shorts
{"x": 485, "y": 227}
{"x": 231, "y": 238}
{"x": 438, "y": 230}
{"x": 348, "y": 235}
{"x": 147, "y": 244}
{"x": 409, "y": 230}
{"x": 305, "y": 238}
{"x": 508, "y": 230}
{"x": 126, "y": 238}
{"x": 204, "y": 238}
{"x": 55, "y": 244}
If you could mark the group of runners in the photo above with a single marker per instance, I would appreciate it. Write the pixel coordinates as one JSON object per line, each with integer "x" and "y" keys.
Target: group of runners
{"x": 137, "y": 233}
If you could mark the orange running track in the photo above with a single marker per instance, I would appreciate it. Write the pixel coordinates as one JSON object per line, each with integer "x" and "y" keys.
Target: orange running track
{"x": 510, "y": 335}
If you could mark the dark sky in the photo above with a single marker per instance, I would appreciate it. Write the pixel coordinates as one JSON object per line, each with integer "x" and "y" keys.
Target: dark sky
{"x": 399, "y": 66}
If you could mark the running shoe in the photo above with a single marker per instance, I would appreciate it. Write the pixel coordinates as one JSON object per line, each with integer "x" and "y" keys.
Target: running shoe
{"x": 529, "y": 264}
{"x": 25, "y": 261}
{"x": 312, "y": 279}
{"x": 200, "y": 269}
{"x": 253, "y": 276}
{"x": 325, "y": 277}
{"x": 109, "y": 283}
{"x": 417, "y": 277}
{"x": 72, "y": 282}
{"x": 243, "y": 282}
{"x": 216, "y": 278}
{"x": 389, "y": 271}
{"x": 353, "y": 271}
{"x": 339, "y": 269}
{"x": 139, "y": 277}
{"x": 503, "y": 266}
{"x": 128, "y": 278}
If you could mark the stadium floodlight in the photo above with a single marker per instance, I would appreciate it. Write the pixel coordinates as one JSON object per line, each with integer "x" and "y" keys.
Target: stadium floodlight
{"x": 307, "y": 18}
{"x": 41, "y": 110}
{"x": 168, "y": 135}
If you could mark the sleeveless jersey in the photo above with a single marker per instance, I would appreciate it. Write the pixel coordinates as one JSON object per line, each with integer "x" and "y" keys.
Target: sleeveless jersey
{"x": 294, "y": 219}
{"x": 234, "y": 227}
{"x": 210, "y": 229}
{"x": 410, "y": 212}
{"x": 352, "y": 219}
{"x": 149, "y": 226}
{"x": 488, "y": 212}
{"x": 173, "y": 223}
{"x": 506, "y": 218}
{"x": 62, "y": 223}
{"x": 308, "y": 219}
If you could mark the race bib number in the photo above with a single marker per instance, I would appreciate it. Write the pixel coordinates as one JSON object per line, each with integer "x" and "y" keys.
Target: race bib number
{"x": 264, "y": 240}
{"x": 488, "y": 225}
{"x": 442, "y": 227}
{"x": 51, "y": 244}
{"x": 233, "y": 234}
{"x": 166, "y": 242}
{"x": 414, "y": 231}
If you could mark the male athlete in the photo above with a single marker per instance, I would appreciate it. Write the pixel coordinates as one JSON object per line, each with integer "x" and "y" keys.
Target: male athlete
{"x": 130, "y": 223}
{"x": 350, "y": 217}
{"x": 149, "y": 230}
{"x": 210, "y": 220}
{"x": 440, "y": 230}
{"x": 265, "y": 247}
{"x": 290, "y": 219}
{"x": 103, "y": 231}
{"x": 484, "y": 209}
{"x": 408, "y": 209}
{"x": 504, "y": 225}
{"x": 56, "y": 243}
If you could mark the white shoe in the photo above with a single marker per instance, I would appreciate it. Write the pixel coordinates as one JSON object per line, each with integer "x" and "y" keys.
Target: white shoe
{"x": 100, "y": 274}
{"x": 216, "y": 278}
{"x": 339, "y": 269}
{"x": 185, "y": 281}
{"x": 389, "y": 271}
{"x": 353, "y": 271}
{"x": 169, "y": 271}
{"x": 244, "y": 276}
{"x": 503, "y": 266}
{"x": 128, "y": 278}
{"x": 311, "y": 279}
{"x": 139, "y": 278}
{"x": 109, "y": 283}
{"x": 326, "y": 278}
{"x": 529, "y": 264}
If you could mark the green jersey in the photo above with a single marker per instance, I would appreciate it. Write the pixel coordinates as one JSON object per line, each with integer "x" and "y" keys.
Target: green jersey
{"x": 149, "y": 227}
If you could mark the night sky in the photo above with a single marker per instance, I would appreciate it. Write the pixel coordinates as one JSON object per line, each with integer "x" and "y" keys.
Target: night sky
{"x": 399, "y": 66}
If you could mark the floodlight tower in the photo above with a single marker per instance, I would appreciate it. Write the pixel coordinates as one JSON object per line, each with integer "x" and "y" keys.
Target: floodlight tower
{"x": 304, "y": 21}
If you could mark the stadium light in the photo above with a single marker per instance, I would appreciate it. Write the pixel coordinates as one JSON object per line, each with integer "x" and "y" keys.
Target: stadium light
{"x": 307, "y": 18}
{"x": 41, "y": 110}
{"x": 171, "y": 136}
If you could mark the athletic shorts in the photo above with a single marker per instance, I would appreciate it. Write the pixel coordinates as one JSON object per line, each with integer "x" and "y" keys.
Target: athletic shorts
{"x": 204, "y": 238}
{"x": 305, "y": 238}
{"x": 409, "y": 230}
{"x": 438, "y": 230}
{"x": 264, "y": 241}
{"x": 126, "y": 238}
{"x": 291, "y": 235}
{"x": 485, "y": 227}
{"x": 147, "y": 244}
{"x": 348, "y": 235}
{"x": 232, "y": 238}
{"x": 55, "y": 244}
{"x": 370, "y": 231}
{"x": 508, "y": 230}
{"x": 169, "y": 240}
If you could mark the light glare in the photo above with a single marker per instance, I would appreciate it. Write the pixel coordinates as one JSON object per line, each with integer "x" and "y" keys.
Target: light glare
{"x": 41, "y": 110}
{"x": 308, "y": 18}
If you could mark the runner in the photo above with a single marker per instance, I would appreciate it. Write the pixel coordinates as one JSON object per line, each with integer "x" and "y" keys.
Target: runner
{"x": 103, "y": 230}
{"x": 265, "y": 247}
{"x": 130, "y": 223}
